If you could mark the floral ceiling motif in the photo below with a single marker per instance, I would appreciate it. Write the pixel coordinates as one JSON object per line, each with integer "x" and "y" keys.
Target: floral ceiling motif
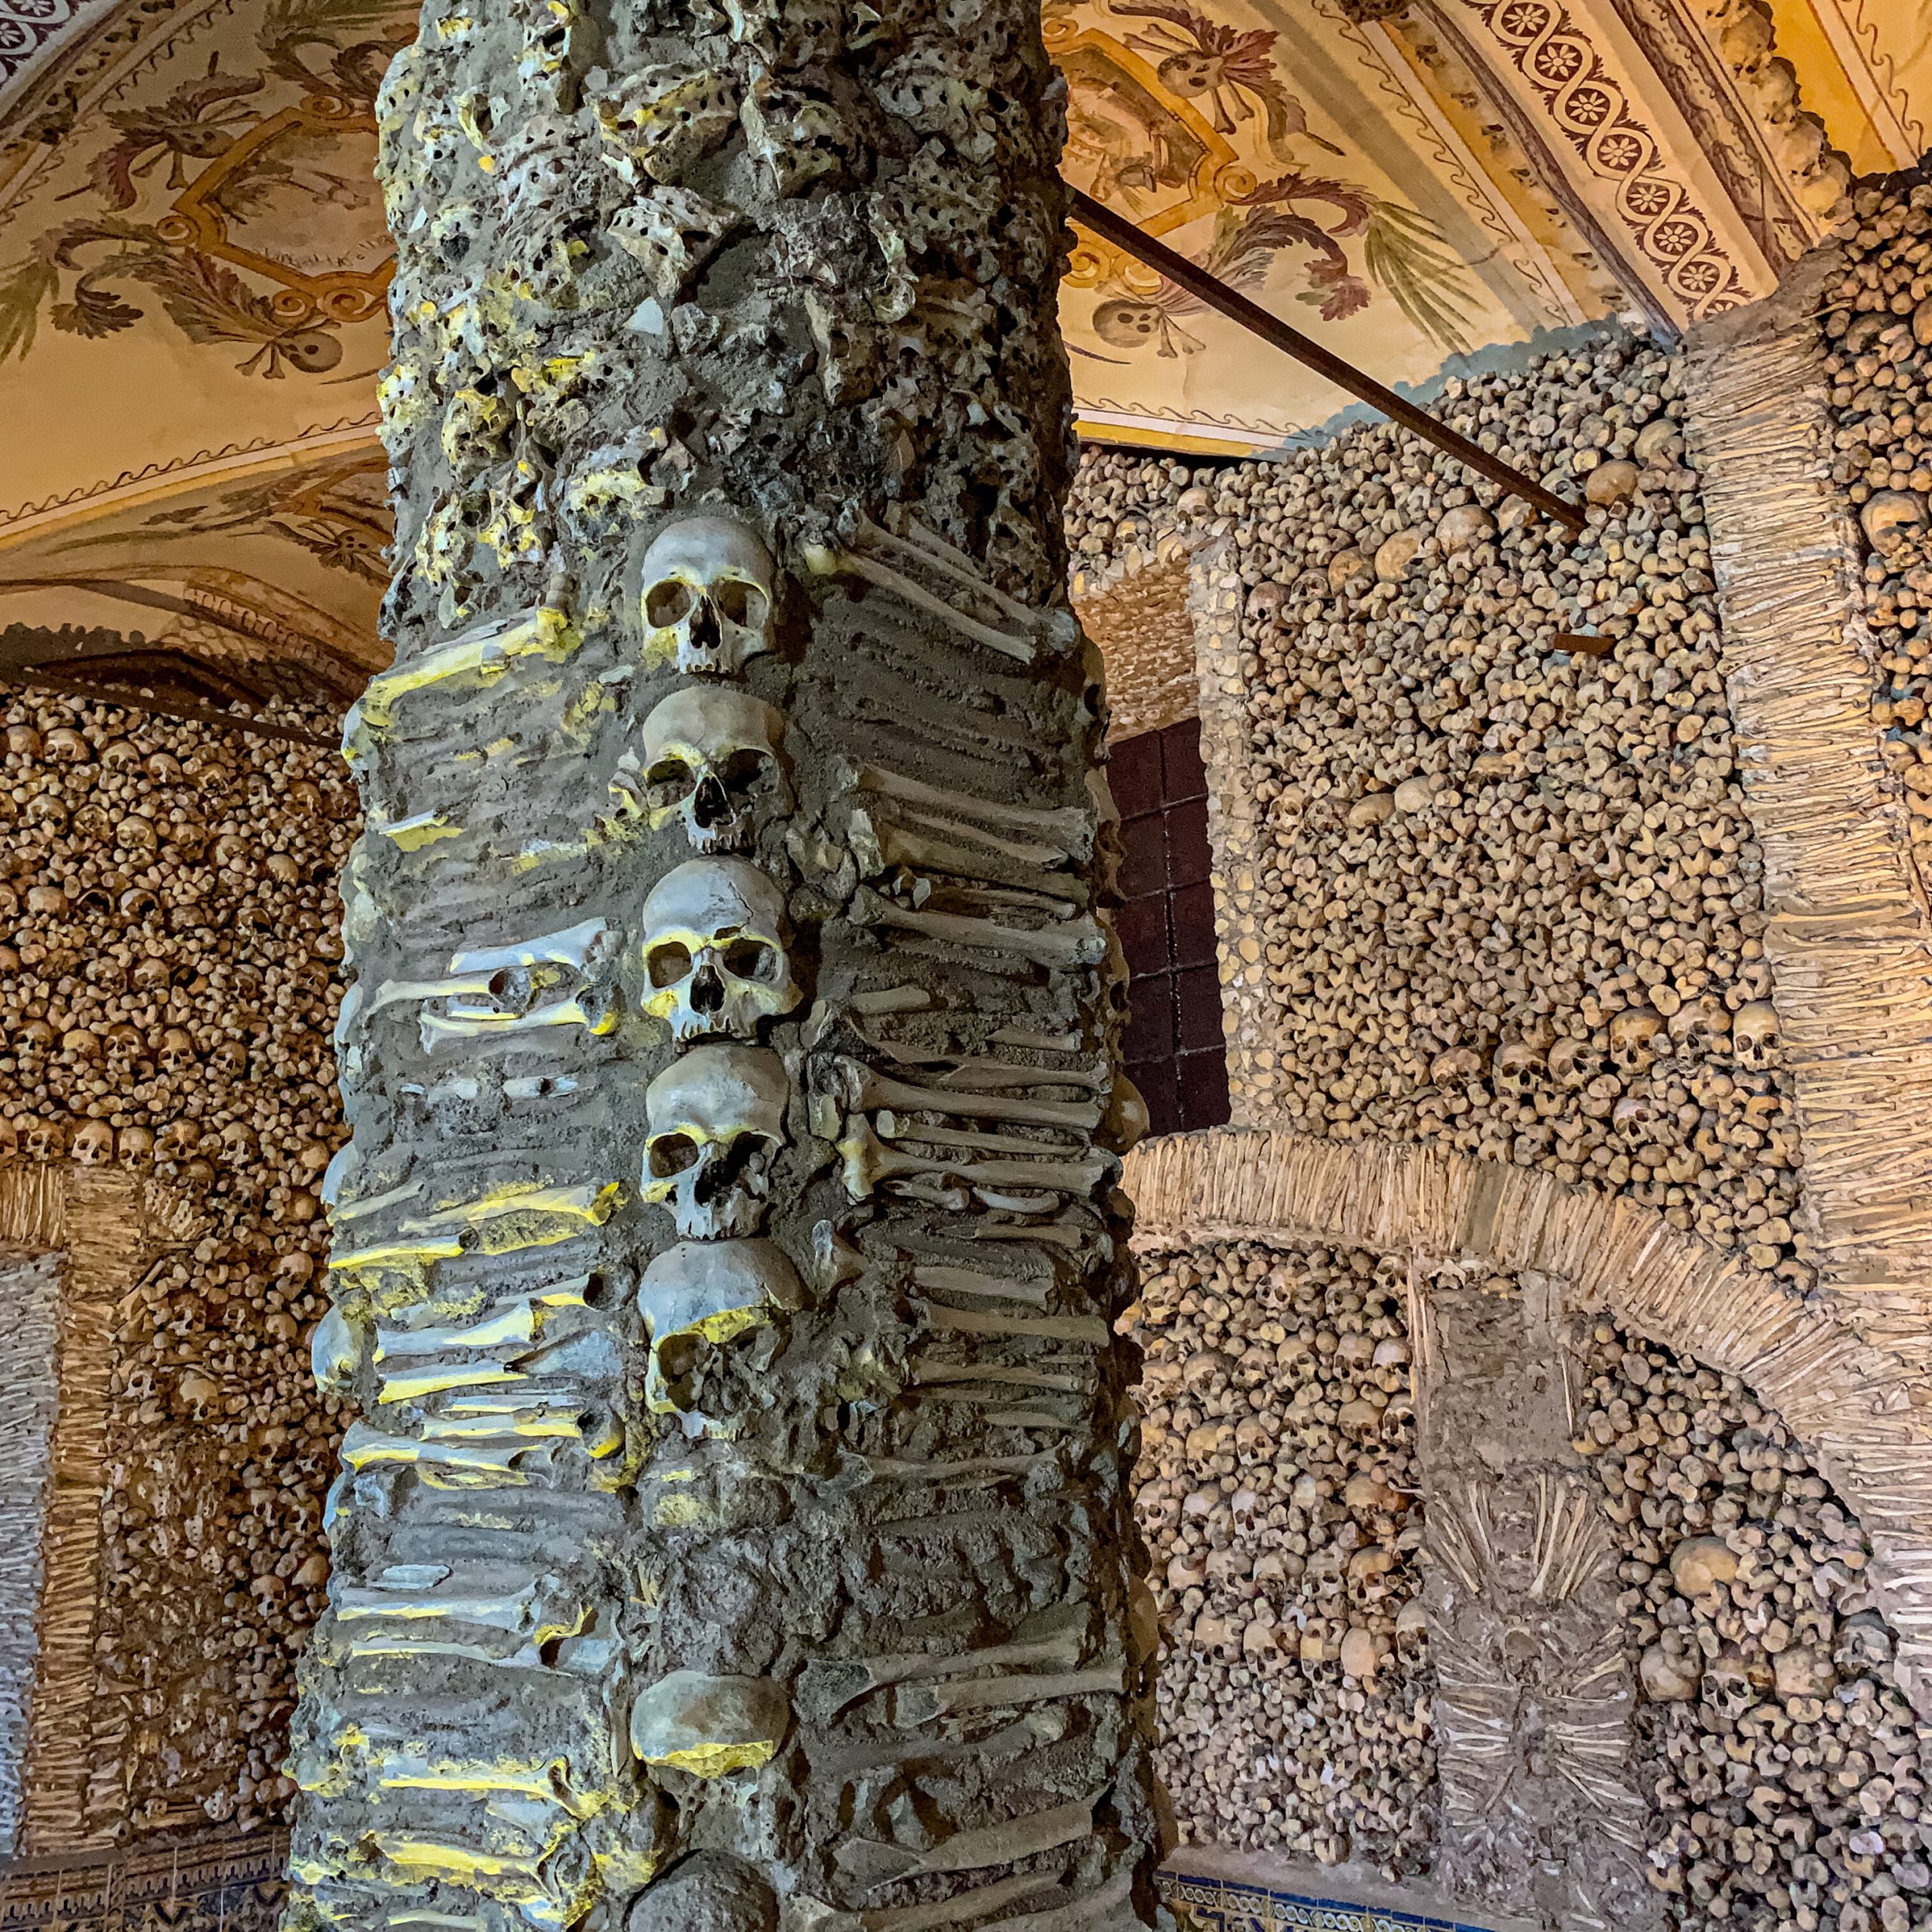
{"x": 192, "y": 264}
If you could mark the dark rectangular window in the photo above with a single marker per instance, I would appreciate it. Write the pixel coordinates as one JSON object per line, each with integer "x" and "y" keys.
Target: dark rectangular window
{"x": 1174, "y": 1049}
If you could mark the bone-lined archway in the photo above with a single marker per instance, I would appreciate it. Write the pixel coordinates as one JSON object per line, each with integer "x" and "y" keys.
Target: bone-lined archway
{"x": 81, "y": 1237}
{"x": 1857, "y": 1407}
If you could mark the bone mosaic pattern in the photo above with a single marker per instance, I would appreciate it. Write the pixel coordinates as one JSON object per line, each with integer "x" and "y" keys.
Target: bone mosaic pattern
{"x": 168, "y": 971}
{"x": 1279, "y": 1492}
{"x": 737, "y": 1519}
{"x": 29, "y": 1371}
{"x": 1486, "y": 876}
{"x": 1786, "y": 1768}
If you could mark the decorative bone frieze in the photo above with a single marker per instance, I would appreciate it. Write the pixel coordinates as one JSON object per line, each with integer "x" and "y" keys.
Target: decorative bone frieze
{"x": 736, "y": 1533}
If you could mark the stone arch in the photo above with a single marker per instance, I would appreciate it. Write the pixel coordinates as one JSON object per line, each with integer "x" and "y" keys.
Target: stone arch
{"x": 1857, "y": 1406}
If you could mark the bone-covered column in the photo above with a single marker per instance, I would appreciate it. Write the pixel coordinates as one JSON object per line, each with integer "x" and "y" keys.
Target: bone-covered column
{"x": 736, "y": 1535}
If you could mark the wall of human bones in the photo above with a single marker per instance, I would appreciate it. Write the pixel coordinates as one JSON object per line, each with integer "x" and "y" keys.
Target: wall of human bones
{"x": 168, "y": 962}
{"x": 1497, "y": 882}
{"x": 1488, "y": 879}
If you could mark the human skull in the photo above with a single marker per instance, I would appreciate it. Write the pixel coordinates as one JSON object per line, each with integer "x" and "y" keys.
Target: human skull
{"x": 46, "y": 1141}
{"x": 708, "y": 586}
{"x": 1515, "y": 1068}
{"x": 717, "y": 1121}
{"x": 1632, "y": 1033}
{"x": 1754, "y": 1034}
{"x": 711, "y": 758}
{"x": 713, "y": 950}
{"x": 702, "y": 1293}
{"x": 93, "y": 1145}
{"x": 1631, "y": 1117}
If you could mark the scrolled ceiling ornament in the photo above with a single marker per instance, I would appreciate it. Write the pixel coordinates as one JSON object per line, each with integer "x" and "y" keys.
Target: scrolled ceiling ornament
{"x": 26, "y": 27}
{"x": 1552, "y": 51}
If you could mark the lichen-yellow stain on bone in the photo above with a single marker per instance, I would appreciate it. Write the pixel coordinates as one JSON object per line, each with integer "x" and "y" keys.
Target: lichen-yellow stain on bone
{"x": 413, "y": 1257}
{"x": 593, "y": 1201}
{"x": 717, "y": 1761}
{"x": 413, "y": 1383}
{"x": 411, "y": 834}
{"x": 485, "y": 653}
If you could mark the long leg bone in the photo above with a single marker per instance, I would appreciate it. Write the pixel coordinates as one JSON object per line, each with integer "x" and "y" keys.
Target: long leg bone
{"x": 1072, "y": 942}
{"x": 947, "y": 1280}
{"x": 868, "y": 1161}
{"x": 1070, "y": 829}
{"x": 879, "y": 847}
{"x": 1051, "y": 1328}
{"x": 891, "y": 1126}
{"x": 923, "y": 1704}
{"x": 864, "y": 1088}
{"x": 877, "y": 1862}
{"x": 927, "y": 1375}
{"x": 823, "y": 561}
{"x": 876, "y": 1673}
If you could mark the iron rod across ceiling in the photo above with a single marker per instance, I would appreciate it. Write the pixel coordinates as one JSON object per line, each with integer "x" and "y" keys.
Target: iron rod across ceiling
{"x": 1195, "y": 281}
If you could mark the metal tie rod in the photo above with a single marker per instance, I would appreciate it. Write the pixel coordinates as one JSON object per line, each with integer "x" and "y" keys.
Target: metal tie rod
{"x": 1196, "y": 281}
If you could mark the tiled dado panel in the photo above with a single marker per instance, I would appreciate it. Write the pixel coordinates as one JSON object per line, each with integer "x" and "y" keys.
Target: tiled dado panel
{"x": 1175, "y": 1052}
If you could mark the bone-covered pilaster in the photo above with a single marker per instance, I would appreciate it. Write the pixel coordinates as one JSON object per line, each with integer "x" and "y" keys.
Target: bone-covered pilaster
{"x": 736, "y": 1532}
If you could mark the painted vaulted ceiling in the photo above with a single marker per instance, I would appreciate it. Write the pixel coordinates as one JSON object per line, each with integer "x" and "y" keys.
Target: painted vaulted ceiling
{"x": 192, "y": 261}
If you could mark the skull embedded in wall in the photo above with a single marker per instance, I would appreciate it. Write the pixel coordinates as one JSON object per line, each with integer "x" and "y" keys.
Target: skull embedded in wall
{"x": 1515, "y": 1068}
{"x": 700, "y": 1295}
{"x": 1754, "y": 1034}
{"x": 707, "y": 585}
{"x": 717, "y": 1121}
{"x": 713, "y": 950}
{"x": 1632, "y": 1035}
{"x": 92, "y": 1144}
{"x": 711, "y": 759}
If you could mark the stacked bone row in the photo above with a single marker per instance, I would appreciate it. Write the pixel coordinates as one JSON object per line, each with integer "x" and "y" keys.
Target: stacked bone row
{"x": 1787, "y": 1770}
{"x": 1877, "y": 339}
{"x": 168, "y": 980}
{"x": 888, "y": 1299}
{"x": 1490, "y": 879}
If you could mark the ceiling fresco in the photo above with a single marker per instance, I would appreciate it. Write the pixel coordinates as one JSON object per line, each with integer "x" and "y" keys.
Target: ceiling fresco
{"x": 192, "y": 264}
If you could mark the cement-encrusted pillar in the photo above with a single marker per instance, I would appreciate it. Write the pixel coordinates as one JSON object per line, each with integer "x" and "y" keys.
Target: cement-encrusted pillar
{"x": 736, "y": 1534}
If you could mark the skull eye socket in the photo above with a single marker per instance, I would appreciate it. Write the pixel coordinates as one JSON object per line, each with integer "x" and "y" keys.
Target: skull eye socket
{"x": 742, "y": 770}
{"x": 669, "y": 964}
{"x": 739, "y": 603}
{"x": 751, "y": 959}
{"x": 672, "y": 1154}
{"x": 670, "y": 775}
{"x": 667, "y": 603}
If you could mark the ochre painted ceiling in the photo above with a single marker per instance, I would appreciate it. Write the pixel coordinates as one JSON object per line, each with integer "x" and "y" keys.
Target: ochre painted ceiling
{"x": 193, "y": 260}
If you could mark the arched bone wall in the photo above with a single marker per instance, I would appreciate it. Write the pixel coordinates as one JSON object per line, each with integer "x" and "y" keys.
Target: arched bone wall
{"x": 1840, "y": 1394}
